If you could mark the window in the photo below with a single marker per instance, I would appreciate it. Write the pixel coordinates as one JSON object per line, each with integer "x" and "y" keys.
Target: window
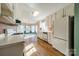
{"x": 43, "y": 26}
{"x": 30, "y": 29}
{"x": 33, "y": 29}
{"x": 27, "y": 29}
{"x": 20, "y": 29}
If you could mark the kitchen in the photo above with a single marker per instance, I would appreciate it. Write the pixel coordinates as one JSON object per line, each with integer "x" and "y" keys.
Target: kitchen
{"x": 48, "y": 27}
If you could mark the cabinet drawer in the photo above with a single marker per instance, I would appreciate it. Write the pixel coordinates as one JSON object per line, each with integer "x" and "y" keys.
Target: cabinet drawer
{"x": 60, "y": 45}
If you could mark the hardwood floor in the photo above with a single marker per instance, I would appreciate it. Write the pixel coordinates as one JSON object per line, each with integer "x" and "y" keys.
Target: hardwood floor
{"x": 38, "y": 47}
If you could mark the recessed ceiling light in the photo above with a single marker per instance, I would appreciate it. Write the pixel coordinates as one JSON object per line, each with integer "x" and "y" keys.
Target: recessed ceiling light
{"x": 35, "y": 13}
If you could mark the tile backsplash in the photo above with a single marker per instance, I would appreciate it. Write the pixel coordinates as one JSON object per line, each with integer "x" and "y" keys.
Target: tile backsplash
{"x": 3, "y": 26}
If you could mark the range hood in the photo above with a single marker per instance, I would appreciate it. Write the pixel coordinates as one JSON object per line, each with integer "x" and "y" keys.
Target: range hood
{"x": 7, "y": 20}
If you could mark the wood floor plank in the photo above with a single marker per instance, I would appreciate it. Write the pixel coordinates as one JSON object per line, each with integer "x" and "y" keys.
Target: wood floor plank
{"x": 39, "y": 47}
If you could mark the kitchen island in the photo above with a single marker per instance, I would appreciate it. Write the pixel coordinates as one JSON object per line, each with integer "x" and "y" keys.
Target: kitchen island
{"x": 12, "y": 45}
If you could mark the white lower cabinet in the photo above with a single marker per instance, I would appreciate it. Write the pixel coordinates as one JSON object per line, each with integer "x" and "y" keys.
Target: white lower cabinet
{"x": 43, "y": 36}
{"x": 50, "y": 37}
{"x": 60, "y": 45}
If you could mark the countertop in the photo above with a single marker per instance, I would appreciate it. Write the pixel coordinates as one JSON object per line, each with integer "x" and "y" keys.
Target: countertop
{"x": 11, "y": 39}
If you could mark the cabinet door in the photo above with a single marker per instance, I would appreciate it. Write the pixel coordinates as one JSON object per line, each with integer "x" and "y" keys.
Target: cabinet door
{"x": 70, "y": 10}
{"x": 59, "y": 24}
{"x": 5, "y": 10}
{"x": 60, "y": 45}
{"x": 10, "y": 6}
{"x": 50, "y": 38}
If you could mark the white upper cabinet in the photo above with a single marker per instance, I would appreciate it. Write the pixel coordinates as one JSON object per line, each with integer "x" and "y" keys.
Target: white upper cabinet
{"x": 70, "y": 10}
{"x": 61, "y": 21}
{"x": 7, "y": 13}
{"x": 60, "y": 25}
{"x": 10, "y": 6}
{"x": 6, "y": 9}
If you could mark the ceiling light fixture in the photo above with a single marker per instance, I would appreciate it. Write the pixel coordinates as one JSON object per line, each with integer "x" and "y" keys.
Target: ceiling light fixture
{"x": 35, "y": 13}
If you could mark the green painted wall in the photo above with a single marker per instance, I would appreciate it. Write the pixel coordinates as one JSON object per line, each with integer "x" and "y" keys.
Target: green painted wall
{"x": 76, "y": 30}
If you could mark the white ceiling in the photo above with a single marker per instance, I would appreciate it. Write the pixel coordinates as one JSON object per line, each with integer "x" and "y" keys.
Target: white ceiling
{"x": 23, "y": 11}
